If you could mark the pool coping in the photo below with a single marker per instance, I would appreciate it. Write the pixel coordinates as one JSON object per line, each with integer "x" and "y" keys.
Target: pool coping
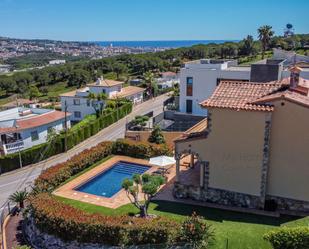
{"x": 120, "y": 198}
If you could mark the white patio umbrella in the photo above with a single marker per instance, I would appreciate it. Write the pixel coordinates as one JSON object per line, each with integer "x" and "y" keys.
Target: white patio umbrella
{"x": 162, "y": 161}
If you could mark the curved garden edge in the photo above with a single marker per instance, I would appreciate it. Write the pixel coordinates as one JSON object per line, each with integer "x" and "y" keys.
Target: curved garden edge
{"x": 56, "y": 175}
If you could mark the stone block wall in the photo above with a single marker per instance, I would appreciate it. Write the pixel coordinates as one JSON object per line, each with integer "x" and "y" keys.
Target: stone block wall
{"x": 217, "y": 196}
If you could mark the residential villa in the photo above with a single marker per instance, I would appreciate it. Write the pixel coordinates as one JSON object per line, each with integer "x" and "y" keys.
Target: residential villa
{"x": 21, "y": 128}
{"x": 252, "y": 150}
{"x": 79, "y": 104}
{"x": 199, "y": 79}
{"x": 167, "y": 80}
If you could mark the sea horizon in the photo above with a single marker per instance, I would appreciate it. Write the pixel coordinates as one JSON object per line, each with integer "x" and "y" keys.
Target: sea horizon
{"x": 159, "y": 43}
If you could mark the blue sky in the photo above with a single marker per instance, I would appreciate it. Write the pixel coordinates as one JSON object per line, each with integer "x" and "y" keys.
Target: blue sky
{"x": 148, "y": 19}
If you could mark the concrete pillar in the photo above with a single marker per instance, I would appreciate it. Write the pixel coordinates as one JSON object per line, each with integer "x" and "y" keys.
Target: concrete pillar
{"x": 192, "y": 161}
{"x": 177, "y": 168}
{"x": 202, "y": 174}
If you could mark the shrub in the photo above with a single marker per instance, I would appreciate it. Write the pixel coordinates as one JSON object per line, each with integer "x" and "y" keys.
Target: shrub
{"x": 19, "y": 197}
{"x": 196, "y": 233}
{"x": 289, "y": 238}
{"x": 140, "y": 149}
{"x": 68, "y": 223}
{"x": 156, "y": 136}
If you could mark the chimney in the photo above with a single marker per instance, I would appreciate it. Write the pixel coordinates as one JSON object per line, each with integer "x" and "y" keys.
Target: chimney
{"x": 294, "y": 76}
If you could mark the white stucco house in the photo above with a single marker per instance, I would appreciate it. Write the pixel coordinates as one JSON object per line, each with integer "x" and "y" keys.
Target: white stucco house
{"x": 78, "y": 103}
{"x": 21, "y": 128}
{"x": 198, "y": 79}
{"x": 167, "y": 80}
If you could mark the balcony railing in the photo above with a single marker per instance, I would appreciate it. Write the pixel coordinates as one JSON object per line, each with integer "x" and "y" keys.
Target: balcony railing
{"x": 13, "y": 147}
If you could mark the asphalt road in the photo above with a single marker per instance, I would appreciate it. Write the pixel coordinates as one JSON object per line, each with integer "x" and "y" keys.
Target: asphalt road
{"x": 20, "y": 179}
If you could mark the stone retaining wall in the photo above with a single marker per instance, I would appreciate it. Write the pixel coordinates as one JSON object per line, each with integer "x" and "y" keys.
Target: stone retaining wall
{"x": 290, "y": 205}
{"x": 217, "y": 196}
{"x": 235, "y": 199}
{"x": 39, "y": 240}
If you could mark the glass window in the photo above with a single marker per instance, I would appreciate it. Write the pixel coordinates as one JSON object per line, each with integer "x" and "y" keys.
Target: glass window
{"x": 189, "y": 86}
{"x": 76, "y": 101}
{"x": 88, "y": 102}
{"x": 77, "y": 114}
{"x": 34, "y": 136}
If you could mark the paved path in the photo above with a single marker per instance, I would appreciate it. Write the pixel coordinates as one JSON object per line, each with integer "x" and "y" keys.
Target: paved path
{"x": 19, "y": 179}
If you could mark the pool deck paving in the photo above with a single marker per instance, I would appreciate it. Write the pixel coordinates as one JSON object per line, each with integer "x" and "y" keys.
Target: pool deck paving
{"x": 119, "y": 199}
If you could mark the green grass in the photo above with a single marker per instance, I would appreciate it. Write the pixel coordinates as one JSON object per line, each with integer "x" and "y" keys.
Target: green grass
{"x": 247, "y": 61}
{"x": 56, "y": 89}
{"x": 243, "y": 231}
{"x": 84, "y": 122}
{"x": 53, "y": 92}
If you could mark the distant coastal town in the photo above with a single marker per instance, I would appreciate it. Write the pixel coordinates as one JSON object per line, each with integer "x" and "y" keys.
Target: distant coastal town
{"x": 52, "y": 52}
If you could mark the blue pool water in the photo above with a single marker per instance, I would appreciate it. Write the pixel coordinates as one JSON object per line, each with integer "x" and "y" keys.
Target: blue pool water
{"x": 109, "y": 182}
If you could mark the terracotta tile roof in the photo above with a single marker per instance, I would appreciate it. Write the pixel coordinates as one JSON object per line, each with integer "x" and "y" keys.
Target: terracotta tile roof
{"x": 73, "y": 93}
{"x": 195, "y": 132}
{"x": 106, "y": 83}
{"x": 36, "y": 121}
{"x": 241, "y": 95}
{"x": 168, "y": 73}
{"x": 128, "y": 91}
{"x": 68, "y": 94}
{"x": 199, "y": 127}
{"x": 289, "y": 95}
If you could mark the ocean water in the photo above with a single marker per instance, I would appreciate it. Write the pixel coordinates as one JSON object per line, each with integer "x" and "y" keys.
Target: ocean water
{"x": 160, "y": 44}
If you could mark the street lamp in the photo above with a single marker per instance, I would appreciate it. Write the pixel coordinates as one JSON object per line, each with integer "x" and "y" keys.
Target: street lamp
{"x": 20, "y": 161}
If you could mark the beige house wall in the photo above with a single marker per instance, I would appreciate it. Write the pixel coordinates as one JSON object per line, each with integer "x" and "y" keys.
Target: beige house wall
{"x": 289, "y": 155}
{"x": 234, "y": 150}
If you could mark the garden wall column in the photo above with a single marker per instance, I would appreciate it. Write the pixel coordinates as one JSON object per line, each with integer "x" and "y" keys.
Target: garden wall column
{"x": 202, "y": 173}
{"x": 192, "y": 161}
{"x": 177, "y": 158}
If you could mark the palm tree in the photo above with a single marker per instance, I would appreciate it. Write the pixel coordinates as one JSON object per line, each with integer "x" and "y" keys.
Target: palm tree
{"x": 149, "y": 80}
{"x": 265, "y": 34}
{"x": 19, "y": 197}
{"x": 100, "y": 99}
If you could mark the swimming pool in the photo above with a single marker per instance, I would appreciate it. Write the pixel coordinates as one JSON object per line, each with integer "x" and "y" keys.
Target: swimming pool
{"x": 108, "y": 183}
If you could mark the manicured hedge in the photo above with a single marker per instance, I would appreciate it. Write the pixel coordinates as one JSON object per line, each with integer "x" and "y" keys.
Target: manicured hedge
{"x": 140, "y": 149}
{"x": 69, "y": 223}
{"x": 289, "y": 238}
{"x": 43, "y": 151}
{"x": 54, "y": 176}
{"x": 32, "y": 155}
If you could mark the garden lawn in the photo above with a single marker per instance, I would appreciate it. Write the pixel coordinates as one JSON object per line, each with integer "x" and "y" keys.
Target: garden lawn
{"x": 238, "y": 230}
{"x": 56, "y": 89}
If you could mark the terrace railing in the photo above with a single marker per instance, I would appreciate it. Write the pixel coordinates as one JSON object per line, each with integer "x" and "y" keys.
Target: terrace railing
{"x": 13, "y": 147}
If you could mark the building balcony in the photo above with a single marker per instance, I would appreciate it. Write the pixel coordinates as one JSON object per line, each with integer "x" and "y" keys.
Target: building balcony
{"x": 10, "y": 148}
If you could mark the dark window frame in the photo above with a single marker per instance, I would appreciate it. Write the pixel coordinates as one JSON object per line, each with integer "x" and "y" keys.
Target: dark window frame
{"x": 34, "y": 136}
{"x": 77, "y": 116}
{"x": 189, "y": 86}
